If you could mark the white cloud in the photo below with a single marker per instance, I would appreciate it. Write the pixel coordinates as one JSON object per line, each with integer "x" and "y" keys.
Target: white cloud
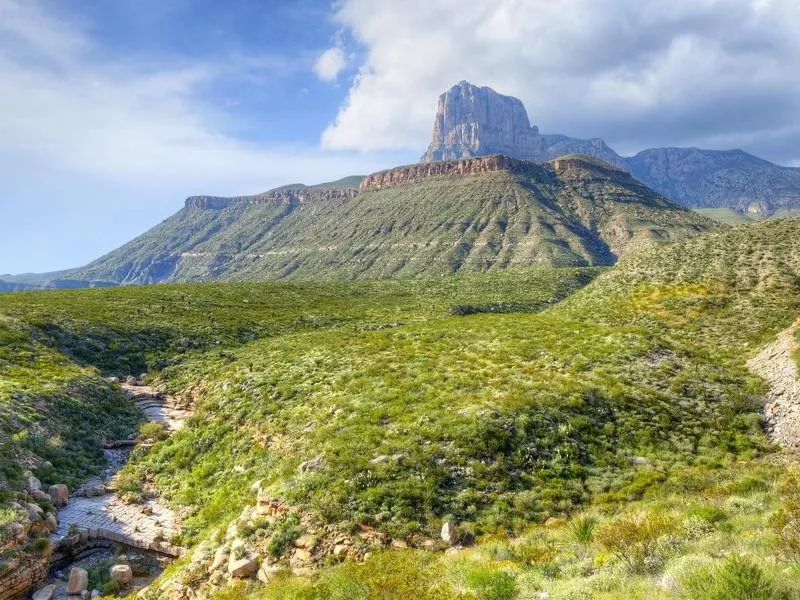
{"x": 330, "y": 63}
{"x": 637, "y": 72}
{"x": 66, "y": 107}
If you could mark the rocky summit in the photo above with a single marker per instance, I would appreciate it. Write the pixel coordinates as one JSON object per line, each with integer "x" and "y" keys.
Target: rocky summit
{"x": 477, "y": 121}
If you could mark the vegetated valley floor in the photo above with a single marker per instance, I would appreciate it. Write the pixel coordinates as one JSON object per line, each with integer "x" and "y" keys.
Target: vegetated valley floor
{"x": 623, "y": 417}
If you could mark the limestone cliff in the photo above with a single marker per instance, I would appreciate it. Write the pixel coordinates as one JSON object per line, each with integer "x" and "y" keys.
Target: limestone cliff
{"x": 291, "y": 196}
{"x": 476, "y": 121}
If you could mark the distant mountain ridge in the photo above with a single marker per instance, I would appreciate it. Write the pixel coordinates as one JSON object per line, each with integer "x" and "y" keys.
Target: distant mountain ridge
{"x": 477, "y": 121}
{"x": 477, "y": 214}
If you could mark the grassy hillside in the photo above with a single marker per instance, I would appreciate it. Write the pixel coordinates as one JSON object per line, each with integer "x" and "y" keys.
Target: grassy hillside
{"x": 586, "y": 213}
{"x": 728, "y": 216}
{"x": 596, "y": 447}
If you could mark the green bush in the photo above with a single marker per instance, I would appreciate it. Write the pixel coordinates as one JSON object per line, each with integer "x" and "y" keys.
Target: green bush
{"x": 737, "y": 578}
{"x": 634, "y": 539}
{"x": 491, "y": 584}
{"x": 287, "y": 530}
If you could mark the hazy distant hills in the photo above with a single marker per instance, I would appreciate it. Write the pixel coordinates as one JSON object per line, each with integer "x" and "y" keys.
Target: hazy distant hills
{"x": 475, "y": 121}
{"x": 430, "y": 219}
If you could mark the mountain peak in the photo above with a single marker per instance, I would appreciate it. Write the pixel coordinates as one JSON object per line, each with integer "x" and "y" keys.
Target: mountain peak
{"x": 478, "y": 121}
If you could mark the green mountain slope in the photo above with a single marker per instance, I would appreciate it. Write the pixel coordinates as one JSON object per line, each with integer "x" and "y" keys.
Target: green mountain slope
{"x": 372, "y": 412}
{"x": 455, "y": 216}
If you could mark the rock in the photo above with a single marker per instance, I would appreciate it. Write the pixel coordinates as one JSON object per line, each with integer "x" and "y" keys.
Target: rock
{"x": 340, "y": 550}
{"x": 96, "y": 593}
{"x": 312, "y": 465}
{"x": 448, "y": 534}
{"x": 300, "y": 558}
{"x": 640, "y": 461}
{"x": 553, "y": 522}
{"x": 40, "y": 496}
{"x": 34, "y": 511}
{"x": 51, "y": 522}
{"x": 85, "y": 595}
{"x": 220, "y": 558}
{"x": 33, "y": 484}
{"x": 78, "y": 581}
{"x": 305, "y": 541}
{"x": 121, "y": 574}
{"x": 242, "y": 568}
{"x": 131, "y": 380}
{"x": 48, "y": 592}
{"x": 94, "y": 490}
{"x": 59, "y": 494}
{"x": 477, "y": 121}
{"x": 542, "y": 596}
{"x": 267, "y": 573}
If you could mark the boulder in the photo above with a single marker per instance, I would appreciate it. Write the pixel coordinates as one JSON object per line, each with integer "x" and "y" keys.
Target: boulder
{"x": 267, "y": 573}
{"x": 220, "y": 558}
{"x": 34, "y": 511}
{"x": 121, "y": 574}
{"x": 85, "y": 595}
{"x": 78, "y": 581}
{"x": 97, "y": 489}
{"x": 312, "y": 465}
{"x": 48, "y": 592}
{"x": 33, "y": 484}
{"x": 242, "y": 568}
{"x": 51, "y": 522}
{"x": 40, "y": 496}
{"x": 448, "y": 534}
{"x": 59, "y": 494}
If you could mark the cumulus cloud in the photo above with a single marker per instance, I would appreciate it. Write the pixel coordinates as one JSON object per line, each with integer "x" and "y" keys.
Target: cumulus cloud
{"x": 637, "y": 72}
{"x": 330, "y": 63}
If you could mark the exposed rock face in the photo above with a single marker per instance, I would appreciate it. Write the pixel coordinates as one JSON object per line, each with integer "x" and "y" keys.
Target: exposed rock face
{"x": 415, "y": 173}
{"x": 718, "y": 179}
{"x": 59, "y": 494}
{"x": 476, "y": 121}
{"x": 291, "y": 197}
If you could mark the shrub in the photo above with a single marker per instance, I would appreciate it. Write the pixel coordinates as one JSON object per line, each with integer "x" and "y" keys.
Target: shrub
{"x": 737, "y": 578}
{"x": 582, "y": 529}
{"x": 287, "y": 530}
{"x": 152, "y": 432}
{"x": 490, "y": 584}
{"x": 634, "y": 539}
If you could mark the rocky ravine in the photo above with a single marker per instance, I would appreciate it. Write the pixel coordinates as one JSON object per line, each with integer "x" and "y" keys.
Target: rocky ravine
{"x": 782, "y": 402}
{"x": 97, "y": 516}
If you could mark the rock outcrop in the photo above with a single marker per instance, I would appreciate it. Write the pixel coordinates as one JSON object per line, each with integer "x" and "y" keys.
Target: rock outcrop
{"x": 470, "y": 166}
{"x": 291, "y": 197}
{"x": 477, "y": 121}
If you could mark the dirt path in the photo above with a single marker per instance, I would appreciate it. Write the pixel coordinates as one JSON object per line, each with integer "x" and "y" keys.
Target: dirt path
{"x": 782, "y": 402}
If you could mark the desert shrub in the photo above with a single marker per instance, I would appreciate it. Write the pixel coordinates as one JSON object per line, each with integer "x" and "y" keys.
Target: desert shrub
{"x": 152, "y": 432}
{"x": 287, "y": 530}
{"x": 634, "y": 539}
{"x": 535, "y": 550}
{"x": 491, "y": 584}
{"x": 706, "y": 512}
{"x": 737, "y": 578}
{"x": 582, "y": 529}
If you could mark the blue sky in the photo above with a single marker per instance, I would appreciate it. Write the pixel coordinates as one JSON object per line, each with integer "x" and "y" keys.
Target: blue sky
{"x": 113, "y": 111}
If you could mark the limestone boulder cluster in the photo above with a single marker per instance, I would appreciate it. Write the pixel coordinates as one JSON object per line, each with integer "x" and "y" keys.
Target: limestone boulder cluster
{"x": 244, "y": 552}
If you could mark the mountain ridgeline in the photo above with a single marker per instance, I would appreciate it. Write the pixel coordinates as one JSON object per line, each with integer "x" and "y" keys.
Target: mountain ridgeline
{"x": 469, "y": 215}
{"x": 475, "y": 121}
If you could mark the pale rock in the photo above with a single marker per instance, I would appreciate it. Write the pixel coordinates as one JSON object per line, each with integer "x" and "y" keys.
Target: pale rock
{"x": 48, "y": 592}
{"x": 242, "y": 568}
{"x": 339, "y": 550}
{"x": 40, "y": 496}
{"x": 33, "y": 484}
{"x": 85, "y": 595}
{"x": 78, "y": 581}
{"x": 121, "y": 574}
{"x": 59, "y": 494}
{"x": 220, "y": 558}
{"x": 51, "y": 522}
{"x": 312, "y": 465}
{"x": 448, "y": 534}
{"x": 300, "y": 558}
{"x": 668, "y": 583}
{"x": 34, "y": 511}
{"x": 267, "y": 573}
